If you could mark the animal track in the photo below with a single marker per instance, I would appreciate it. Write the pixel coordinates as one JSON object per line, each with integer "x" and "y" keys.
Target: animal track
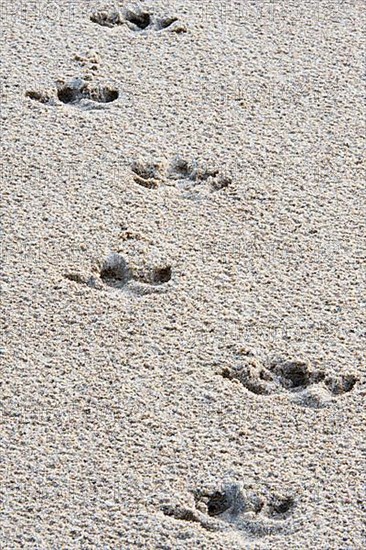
{"x": 116, "y": 273}
{"x": 229, "y": 506}
{"x": 78, "y": 93}
{"x": 183, "y": 173}
{"x": 137, "y": 19}
{"x": 307, "y": 386}
{"x": 77, "y": 90}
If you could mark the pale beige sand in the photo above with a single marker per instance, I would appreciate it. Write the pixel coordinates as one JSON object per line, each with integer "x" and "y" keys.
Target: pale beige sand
{"x": 183, "y": 280}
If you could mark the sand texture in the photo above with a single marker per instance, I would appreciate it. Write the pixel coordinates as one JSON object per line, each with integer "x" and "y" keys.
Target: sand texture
{"x": 183, "y": 275}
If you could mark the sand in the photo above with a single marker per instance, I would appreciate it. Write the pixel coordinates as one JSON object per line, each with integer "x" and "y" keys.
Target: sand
{"x": 183, "y": 287}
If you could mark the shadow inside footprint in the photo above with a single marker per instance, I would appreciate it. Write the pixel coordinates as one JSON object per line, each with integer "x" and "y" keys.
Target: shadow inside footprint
{"x": 115, "y": 272}
{"x": 204, "y": 173}
{"x": 296, "y": 375}
{"x": 192, "y": 171}
{"x": 293, "y": 375}
{"x": 138, "y": 19}
{"x": 146, "y": 174}
{"x": 338, "y": 385}
{"x": 182, "y": 169}
{"x": 226, "y": 502}
{"x": 41, "y": 97}
{"x": 106, "y": 19}
{"x": 218, "y": 503}
{"x": 154, "y": 275}
{"x": 77, "y": 90}
{"x": 165, "y": 23}
{"x": 70, "y": 94}
{"x": 279, "y": 507}
{"x": 221, "y": 183}
{"x": 161, "y": 275}
{"x": 253, "y": 376}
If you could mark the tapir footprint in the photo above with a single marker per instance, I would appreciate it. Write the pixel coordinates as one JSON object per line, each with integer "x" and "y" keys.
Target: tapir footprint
{"x": 77, "y": 93}
{"x": 307, "y": 386}
{"x": 116, "y": 273}
{"x": 229, "y": 506}
{"x": 182, "y": 173}
{"x": 137, "y": 19}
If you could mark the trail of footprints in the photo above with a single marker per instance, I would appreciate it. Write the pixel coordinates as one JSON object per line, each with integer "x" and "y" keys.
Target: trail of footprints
{"x": 258, "y": 514}
{"x": 81, "y": 92}
{"x": 230, "y": 506}
{"x": 304, "y": 384}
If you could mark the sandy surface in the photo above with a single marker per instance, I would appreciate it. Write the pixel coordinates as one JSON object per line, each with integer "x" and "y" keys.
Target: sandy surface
{"x": 183, "y": 291}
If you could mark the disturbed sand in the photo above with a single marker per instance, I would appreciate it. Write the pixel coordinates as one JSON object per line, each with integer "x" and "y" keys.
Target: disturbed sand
{"x": 183, "y": 238}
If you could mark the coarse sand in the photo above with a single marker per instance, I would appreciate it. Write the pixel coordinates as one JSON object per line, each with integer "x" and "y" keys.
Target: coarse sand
{"x": 183, "y": 282}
